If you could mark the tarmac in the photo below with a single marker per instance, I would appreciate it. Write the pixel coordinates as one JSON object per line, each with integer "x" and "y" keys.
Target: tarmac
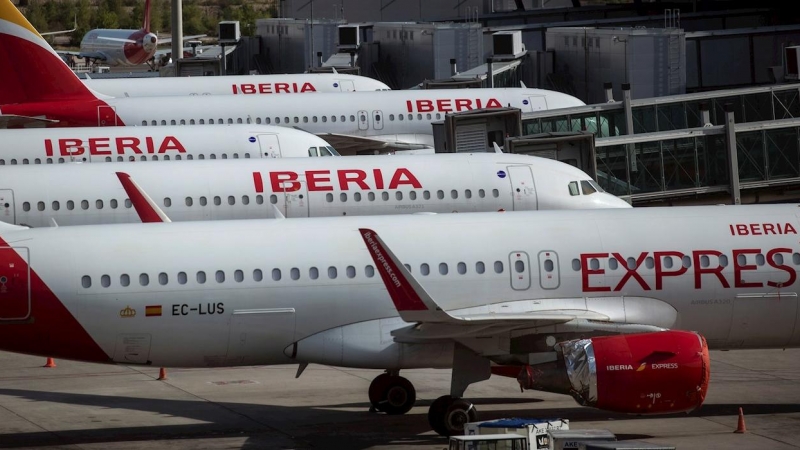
{"x": 90, "y": 406}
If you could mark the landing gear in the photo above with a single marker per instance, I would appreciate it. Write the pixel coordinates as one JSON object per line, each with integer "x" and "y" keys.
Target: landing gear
{"x": 448, "y": 415}
{"x": 392, "y": 394}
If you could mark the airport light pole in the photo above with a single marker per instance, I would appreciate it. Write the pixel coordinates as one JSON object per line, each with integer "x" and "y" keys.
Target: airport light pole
{"x": 177, "y": 33}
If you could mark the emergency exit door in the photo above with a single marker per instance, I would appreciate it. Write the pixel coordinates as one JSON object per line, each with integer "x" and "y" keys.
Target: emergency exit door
{"x": 15, "y": 290}
{"x": 519, "y": 265}
{"x": 293, "y": 201}
{"x": 270, "y": 146}
{"x": 522, "y": 188}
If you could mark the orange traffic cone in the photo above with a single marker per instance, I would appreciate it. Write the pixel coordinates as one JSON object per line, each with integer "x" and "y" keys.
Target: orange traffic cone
{"x": 740, "y": 428}
{"x": 162, "y": 374}
{"x": 50, "y": 363}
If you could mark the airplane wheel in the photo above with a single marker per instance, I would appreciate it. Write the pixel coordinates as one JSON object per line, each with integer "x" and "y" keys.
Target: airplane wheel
{"x": 377, "y": 388}
{"x": 458, "y": 413}
{"x": 398, "y": 396}
{"x": 436, "y": 414}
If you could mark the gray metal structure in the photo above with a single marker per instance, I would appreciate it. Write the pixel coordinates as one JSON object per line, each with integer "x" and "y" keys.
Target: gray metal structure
{"x": 663, "y": 150}
{"x": 291, "y": 45}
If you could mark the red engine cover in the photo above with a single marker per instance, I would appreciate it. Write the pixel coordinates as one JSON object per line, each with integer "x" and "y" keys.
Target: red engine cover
{"x": 651, "y": 373}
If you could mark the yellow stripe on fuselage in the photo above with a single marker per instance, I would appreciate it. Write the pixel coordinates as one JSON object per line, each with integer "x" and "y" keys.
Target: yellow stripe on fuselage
{"x": 10, "y": 13}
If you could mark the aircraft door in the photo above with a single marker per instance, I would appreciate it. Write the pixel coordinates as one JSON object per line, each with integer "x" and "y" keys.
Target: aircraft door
{"x": 346, "y": 85}
{"x": 270, "y": 146}
{"x": 522, "y": 188}
{"x": 549, "y": 276}
{"x": 7, "y": 206}
{"x": 377, "y": 120}
{"x": 259, "y": 336}
{"x": 295, "y": 198}
{"x": 534, "y": 103}
{"x": 363, "y": 120}
{"x": 15, "y": 288}
{"x": 106, "y": 116}
{"x": 519, "y": 267}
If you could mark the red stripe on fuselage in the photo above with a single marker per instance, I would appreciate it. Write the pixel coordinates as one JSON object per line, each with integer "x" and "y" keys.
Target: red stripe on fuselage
{"x": 51, "y": 329}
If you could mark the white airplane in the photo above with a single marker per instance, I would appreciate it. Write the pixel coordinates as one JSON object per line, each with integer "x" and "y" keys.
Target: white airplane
{"x": 401, "y": 120}
{"x": 85, "y": 194}
{"x": 299, "y": 83}
{"x": 107, "y": 144}
{"x": 117, "y": 47}
{"x": 616, "y": 307}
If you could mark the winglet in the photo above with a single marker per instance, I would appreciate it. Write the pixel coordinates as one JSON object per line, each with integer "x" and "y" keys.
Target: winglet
{"x": 408, "y": 296}
{"x": 145, "y": 206}
{"x": 522, "y": 84}
{"x": 276, "y": 213}
{"x": 497, "y": 148}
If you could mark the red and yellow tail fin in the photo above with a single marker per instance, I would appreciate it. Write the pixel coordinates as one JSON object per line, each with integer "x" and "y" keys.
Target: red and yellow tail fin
{"x": 30, "y": 70}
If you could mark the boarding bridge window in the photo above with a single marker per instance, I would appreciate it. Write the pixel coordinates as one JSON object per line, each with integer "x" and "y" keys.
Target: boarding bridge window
{"x": 443, "y": 268}
{"x": 201, "y": 277}
{"x": 426, "y": 195}
{"x": 144, "y": 279}
{"x": 276, "y": 274}
{"x": 70, "y": 205}
{"x": 167, "y": 202}
{"x": 56, "y": 206}
{"x": 294, "y": 274}
{"x": 462, "y": 268}
{"x": 124, "y": 280}
{"x": 258, "y": 275}
{"x": 86, "y": 281}
{"x": 163, "y": 279}
{"x": 26, "y": 206}
{"x": 440, "y": 194}
{"x": 332, "y": 272}
{"x": 313, "y": 273}
{"x": 573, "y": 188}
{"x": 498, "y": 267}
{"x": 412, "y": 195}
{"x": 84, "y": 204}
{"x": 371, "y": 196}
{"x": 369, "y": 271}
{"x": 424, "y": 269}
{"x": 182, "y": 278}
{"x": 105, "y": 281}
{"x": 245, "y": 200}
{"x": 189, "y": 201}
{"x": 357, "y": 196}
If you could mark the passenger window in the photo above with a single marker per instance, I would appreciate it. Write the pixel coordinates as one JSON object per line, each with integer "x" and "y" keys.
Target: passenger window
{"x": 105, "y": 281}
{"x": 612, "y": 263}
{"x": 25, "y": 161}
{"x": 332, "y": 272}
{"x": 352, "y": 118}
{"x": 412, "y": 195}
{"x": 220, "y": 276}
{"x": 26, "y": 206}
{"x": 573, "y": 188}
{"x": 144, "y": 279}
{"x": 84, "y": 204}
{"x": 424, "y": 269}
{"x": 760, "y": 259}
{"x": 258, "y": 275}
{"x": 426, "y": 195}
{"x": 398, "y": 195}
{"x": 182, "y": 279}
{"x": 519, "y": 266}
{"x": 231, "y": 200}
{"x": 86, "y": 281}
{"x": 70, "y": 205}
{"x": 343, "y": 197}
{"x": 443, "y": 268}
{"x": 495, "y": 193}
{"x": 313, "y": 273}
{"x": 56, "y": 206}
{"x": 351, "y": 272}
{"x": 217, "y": 200}
{"x": 276, "y": 274}
{"x": 163, "y": 279}
{"x": 201, "y": 277}
{"x": 294, "y": 273}
{"x": 357, "y": 196}
{"x": 462, "y": 268}
{"x": 440, "y": 194}
{"x": 723, "y": 260}
{"x": 594, "y": 264}
{"x": 687, "y": 261}
{"x": 113, "y": 203}
{"x": 224, "y": 156}
{"x": 344, "y": 119}
{"x": 371, "y": 196}
{"x": 128, "y": 203}
{"x": 213, "y": 156}
{"x": 454, "y": 194}
{"x": 548, "y": 265}
{"x": 324, "y": 119}
{"x": 385, "y": 195}
{"x": 124, "y": 280}
{"x": 576, "y": 264}
{"x": 400, "y": 117}
{"x": 167, "y": 202}
{"x": 273, "y": 199}
{"x": 245, "y": 200}
{"x": 428, "y": 116}
{"x": 329, "y": 197}
{"x": 468, "y": 193}
{"x": 480, "y": 267}
{"x": 705, "y": 262}
{"x": 203, "y": 201}
{"x": 369, "y": 271}
{"x": 189, "y": 201}
{"x": 498, "y": 266}
{"x": 648, "y": 262}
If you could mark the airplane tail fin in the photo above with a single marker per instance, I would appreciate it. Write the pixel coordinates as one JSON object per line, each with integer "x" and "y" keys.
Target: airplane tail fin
{"x": 30, "y": 70}
{"x": 146, "y": 23}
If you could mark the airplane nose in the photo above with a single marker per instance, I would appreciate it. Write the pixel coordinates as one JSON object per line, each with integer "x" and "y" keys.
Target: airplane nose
{"x": 612, "y": 201}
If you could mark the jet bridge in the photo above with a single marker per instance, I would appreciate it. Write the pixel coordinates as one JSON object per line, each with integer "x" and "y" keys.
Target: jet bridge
{"x": 476, "y": 130}
{"x": 574, "y": 148}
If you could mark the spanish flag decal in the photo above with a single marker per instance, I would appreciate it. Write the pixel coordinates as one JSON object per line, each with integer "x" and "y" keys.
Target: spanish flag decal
{"x": 152, "y": 310}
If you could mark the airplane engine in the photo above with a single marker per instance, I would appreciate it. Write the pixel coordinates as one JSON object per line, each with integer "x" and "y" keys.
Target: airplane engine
{"x": 648, "y": 373}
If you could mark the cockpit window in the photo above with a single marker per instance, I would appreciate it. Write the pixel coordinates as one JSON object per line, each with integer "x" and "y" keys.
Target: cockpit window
{"x": 573, "y": 188}
{"x": 327, "y": 151}
{"x": 312, "y": 151}
{"x": 586, "y": 186}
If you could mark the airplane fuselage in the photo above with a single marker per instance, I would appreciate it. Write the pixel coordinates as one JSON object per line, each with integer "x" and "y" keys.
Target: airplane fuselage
{"x": 112, "y": 43}
{"x": 259, "y": 292}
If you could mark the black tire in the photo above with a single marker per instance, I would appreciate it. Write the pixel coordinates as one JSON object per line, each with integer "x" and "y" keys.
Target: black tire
{"x": 377, "y": 388}
{"x": 436, "y": 414}
{"x": 457, "y": 415}
{"x": 398, "y": 396}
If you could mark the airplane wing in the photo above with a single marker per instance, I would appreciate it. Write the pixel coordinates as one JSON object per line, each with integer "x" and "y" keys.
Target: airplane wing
{"x": 416, "y": 306}
{"x": 168, "y": 40}
{"x": 15, "y": 121}
{"x": 53, "y": 33}
{"x": 97, "y": 56}
{"x": 345, "y": 143}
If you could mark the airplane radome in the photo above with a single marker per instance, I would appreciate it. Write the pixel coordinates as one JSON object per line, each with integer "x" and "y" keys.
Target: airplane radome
{"x": 505, "y": 289}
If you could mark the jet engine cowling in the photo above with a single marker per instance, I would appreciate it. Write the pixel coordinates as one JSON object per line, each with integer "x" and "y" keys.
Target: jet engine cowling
{"x": 647, "y": 373}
